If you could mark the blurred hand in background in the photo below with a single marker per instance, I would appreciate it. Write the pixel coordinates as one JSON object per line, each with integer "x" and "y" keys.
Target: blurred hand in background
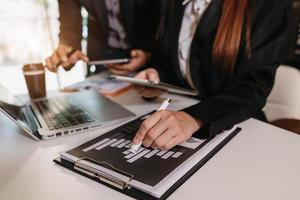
{"x": 66, "y": 57}
{"x": 139, "y": 58}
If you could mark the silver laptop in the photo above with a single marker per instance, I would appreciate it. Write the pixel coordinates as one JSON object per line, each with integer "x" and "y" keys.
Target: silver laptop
{"x": 65, "y": 115}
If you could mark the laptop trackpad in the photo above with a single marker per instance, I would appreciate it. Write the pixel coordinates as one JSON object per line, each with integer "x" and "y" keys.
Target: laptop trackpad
{"x": 103, "y": 109}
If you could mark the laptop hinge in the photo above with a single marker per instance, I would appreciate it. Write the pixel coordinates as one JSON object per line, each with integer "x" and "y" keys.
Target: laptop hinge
{"x": 30, "y": 118}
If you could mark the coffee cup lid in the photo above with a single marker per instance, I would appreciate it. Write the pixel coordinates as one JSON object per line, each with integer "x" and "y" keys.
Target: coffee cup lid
{"x": 33, "y": 67}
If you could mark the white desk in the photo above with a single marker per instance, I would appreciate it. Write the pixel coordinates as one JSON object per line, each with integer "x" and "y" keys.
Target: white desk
{"x": 262, "y": 162}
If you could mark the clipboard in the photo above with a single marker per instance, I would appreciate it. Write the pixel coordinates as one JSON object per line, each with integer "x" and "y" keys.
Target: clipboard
{"x": 123, "y": 186}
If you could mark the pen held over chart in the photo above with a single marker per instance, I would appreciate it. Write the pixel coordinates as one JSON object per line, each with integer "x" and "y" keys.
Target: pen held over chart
{"x": 135, "y": 147}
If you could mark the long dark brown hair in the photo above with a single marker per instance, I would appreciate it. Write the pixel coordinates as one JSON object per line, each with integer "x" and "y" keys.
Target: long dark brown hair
{"x": 236, "y": 15}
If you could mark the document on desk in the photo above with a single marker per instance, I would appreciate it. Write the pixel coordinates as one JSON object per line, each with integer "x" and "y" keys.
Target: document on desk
{"x": 151, "y": 171}
{"x": 105, "y": 86}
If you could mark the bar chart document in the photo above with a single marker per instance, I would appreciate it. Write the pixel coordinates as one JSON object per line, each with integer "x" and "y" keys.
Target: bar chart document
{"x": 152, "y": 171}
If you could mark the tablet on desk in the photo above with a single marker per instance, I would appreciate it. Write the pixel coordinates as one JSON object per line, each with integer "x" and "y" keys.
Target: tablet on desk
{"x": 156, "y": 84}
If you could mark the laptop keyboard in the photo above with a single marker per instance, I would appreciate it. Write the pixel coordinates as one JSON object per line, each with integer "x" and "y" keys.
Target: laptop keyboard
{"x": 63, "y": 113}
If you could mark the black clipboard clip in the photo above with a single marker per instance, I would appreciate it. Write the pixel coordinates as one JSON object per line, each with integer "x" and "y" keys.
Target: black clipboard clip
{"x": 102, "y": 176}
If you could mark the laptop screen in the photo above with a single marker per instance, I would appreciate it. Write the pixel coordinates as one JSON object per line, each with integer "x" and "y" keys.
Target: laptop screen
{"x": 12, "y": 107}
{"x": 7, "y": 97}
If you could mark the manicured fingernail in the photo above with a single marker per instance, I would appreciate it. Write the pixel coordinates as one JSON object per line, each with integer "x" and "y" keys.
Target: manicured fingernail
{"x": 136, "y": 141}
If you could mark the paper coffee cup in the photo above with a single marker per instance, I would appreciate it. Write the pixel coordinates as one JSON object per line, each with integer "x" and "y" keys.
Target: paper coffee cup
{"x": 34, "y": 75}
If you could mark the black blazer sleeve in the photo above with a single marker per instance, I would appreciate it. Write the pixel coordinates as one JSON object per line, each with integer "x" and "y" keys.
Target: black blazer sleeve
{"x": 146, "y": 21}
{"x": 246, "y": 92}
{"x": 70, "y": 23}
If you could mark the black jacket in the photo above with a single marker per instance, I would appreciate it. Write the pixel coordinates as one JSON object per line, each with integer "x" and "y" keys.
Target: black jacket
{"x": 226, "y": 99}
{"x": 140, "y": 19}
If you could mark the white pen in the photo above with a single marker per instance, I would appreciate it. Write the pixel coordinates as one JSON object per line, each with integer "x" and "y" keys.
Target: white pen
{"x": 165, "y": 104}
{"x": 135, "y": 147}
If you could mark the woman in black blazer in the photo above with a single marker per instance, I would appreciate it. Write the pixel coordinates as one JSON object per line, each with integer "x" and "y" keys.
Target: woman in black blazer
{"x": 234, "y": 55}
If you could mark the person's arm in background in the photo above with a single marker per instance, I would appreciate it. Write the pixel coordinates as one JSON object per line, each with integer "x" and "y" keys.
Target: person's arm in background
{"x": 146, "y": 21}
{"x": 69, "y": 37}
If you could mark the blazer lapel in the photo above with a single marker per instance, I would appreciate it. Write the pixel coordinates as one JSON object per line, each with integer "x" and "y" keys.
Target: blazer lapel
{"x": 176, "y": 16}
{"x": 208, "y": 23}
{"x": 210, "y": 19}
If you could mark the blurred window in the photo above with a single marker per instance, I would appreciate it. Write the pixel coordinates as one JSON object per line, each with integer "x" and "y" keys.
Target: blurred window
{"x": 29, "y": 30}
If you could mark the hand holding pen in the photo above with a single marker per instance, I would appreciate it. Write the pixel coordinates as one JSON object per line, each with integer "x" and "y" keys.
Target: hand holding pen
{"x": 165, "y": 129}
{"x": 137, "y": 144}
